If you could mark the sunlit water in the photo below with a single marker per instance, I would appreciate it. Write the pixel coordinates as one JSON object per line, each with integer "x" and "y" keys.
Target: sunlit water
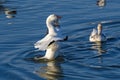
{"x": 82, "y": 60}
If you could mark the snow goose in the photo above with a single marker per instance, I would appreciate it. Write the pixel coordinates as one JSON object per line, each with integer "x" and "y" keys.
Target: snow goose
{"x": 51, "y": 42}
{"x": 97, "y": 35}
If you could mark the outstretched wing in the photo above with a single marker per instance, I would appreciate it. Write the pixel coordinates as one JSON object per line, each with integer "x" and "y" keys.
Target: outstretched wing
{"x": 94, "y": 32}
{"x": 93, "y": 35}
{"x": 43, "y": 44}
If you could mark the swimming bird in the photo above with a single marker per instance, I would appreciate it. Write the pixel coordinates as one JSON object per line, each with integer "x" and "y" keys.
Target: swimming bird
{"x": 10, "y": 13}
{"x": 101, "y": 3}
{"x": 50, "y": 43}
{"x": 97, "y": 35}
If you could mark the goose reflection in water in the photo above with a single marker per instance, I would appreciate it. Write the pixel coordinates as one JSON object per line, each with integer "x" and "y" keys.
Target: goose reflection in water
{"x": 52, "y": 71}
{"x": 99, "y": 47}
{"x": 100, "y": 50}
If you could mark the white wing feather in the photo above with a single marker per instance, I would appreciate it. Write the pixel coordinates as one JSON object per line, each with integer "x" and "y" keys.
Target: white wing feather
{"x": 94, "y": 32}
{"x": 43, "y": 44}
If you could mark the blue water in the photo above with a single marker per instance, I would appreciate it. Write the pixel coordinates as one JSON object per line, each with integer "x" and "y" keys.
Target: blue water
{"x": 82, "y": 60}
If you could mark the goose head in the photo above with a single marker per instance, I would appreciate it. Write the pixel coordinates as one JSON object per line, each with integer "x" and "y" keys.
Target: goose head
{"x": 53, "y": 20}
{"x": 52, "y": 23}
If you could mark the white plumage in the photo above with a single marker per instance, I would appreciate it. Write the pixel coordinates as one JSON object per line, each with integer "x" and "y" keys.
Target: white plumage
{"x": 51, "y": 40}
{"x": 97, "y": 35}
{"x": 43, "y": 44}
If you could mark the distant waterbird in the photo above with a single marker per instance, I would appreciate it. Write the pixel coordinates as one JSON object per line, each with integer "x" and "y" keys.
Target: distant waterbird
{"x": 101, "y": 3}
{"x": 97, "y": 35}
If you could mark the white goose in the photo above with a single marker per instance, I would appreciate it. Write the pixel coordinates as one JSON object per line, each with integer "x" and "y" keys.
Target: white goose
{"x": 97, "y": 35}
{"x": 51, "y": 40}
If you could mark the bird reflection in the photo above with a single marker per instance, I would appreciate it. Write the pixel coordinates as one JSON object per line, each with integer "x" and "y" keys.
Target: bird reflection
{"x": 52, "y": 71}
{"x": 9, "y": 12}
{"x": 99, "y": 47}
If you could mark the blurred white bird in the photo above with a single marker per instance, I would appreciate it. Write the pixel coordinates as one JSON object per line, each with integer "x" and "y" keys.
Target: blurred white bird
{"x": 97, "y": 35}
{"x": 101, "y": 3}
{"x": 50, "y": 42}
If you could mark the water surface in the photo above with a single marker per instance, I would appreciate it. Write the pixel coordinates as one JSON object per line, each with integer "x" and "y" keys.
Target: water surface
{"x": 82, "y": 60}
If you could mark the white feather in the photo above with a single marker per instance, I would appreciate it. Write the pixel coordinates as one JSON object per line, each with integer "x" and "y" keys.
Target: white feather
{"x": 94, "y": 32}
{"x": 97, "y": 35}
{"x": 43, "y": 44}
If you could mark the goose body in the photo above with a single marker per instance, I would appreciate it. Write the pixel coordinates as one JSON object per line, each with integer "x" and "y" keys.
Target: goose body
{"x": 50, "y": 43}
{"x": 97, "y": 35}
